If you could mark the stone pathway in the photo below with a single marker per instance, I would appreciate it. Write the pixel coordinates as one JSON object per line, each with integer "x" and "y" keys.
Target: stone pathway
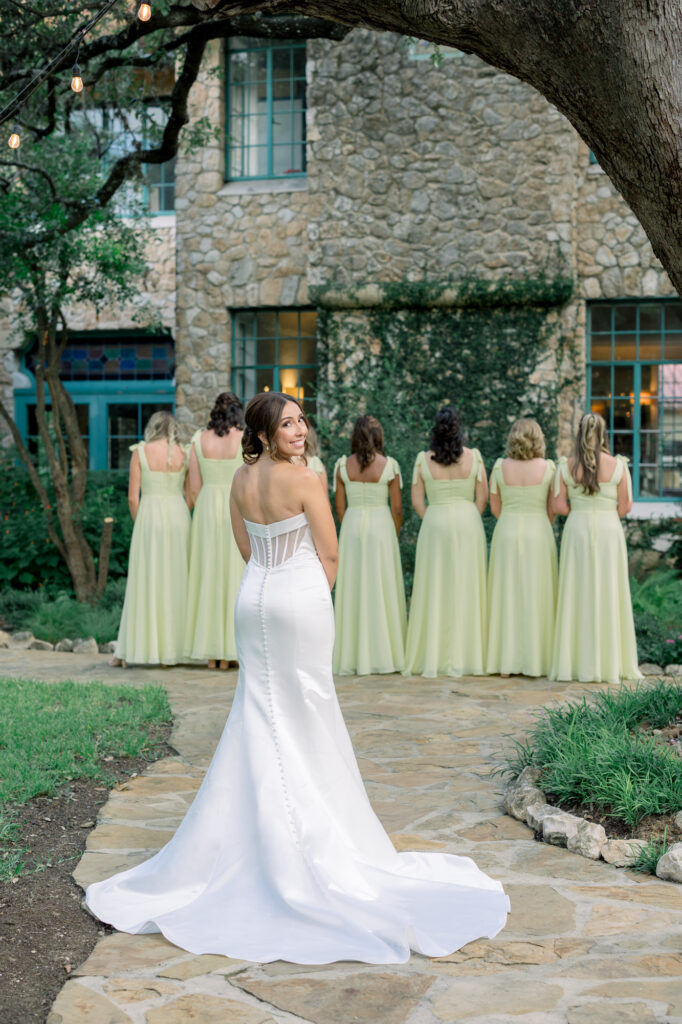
{"x": 585, "y": 943}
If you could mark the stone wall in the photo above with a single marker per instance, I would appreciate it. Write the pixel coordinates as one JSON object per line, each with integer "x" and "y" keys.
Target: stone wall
{"x": 239, "y": 245}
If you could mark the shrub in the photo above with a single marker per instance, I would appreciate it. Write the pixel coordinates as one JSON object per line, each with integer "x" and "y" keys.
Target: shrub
{"x": 52, "y": 618}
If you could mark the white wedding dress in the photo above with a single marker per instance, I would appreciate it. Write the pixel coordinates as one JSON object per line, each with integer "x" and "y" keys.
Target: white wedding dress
{"x": 281, "y": 857}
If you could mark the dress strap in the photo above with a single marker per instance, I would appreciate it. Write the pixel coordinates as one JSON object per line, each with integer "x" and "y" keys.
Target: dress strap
{"x": 139, "y": 448}
{"x": 496, "y": 478}
{"x": 196, "y": 441}
{"x": 622, "y": 467}
{"x": 340, "y": 469}
{"x": 419, "y": 463}
{"x": 561, "y": 471}
{"x": 476, "y": 465}
{"x": 394, "y": 470}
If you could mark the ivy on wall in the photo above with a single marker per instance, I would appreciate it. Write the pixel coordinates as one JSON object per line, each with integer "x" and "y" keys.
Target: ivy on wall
{"x": 403, "y": 359}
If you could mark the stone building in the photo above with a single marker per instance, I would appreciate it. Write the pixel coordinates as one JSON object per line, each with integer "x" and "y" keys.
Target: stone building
{"x": 345, "y": 170}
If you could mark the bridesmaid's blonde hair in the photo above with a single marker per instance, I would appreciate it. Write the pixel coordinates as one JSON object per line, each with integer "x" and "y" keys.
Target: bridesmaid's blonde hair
{"x": 163, "y": 426}
{"x": 312, "y": 443}
{"x": 591, "y": 440}
{"x": 526, "y": 440}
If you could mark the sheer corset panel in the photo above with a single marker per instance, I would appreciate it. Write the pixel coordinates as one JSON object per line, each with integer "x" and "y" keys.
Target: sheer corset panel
{"x": 273, "y": 544}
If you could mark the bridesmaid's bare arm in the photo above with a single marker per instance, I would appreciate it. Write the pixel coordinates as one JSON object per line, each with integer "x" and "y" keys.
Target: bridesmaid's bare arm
{"x": 481, "y": 493}
{"x": 395, "y": 498}
{"x": 495, "y": 504}
{"x": 194, "y": 481}
{"x": 624, "y": 499}
{"x": 134, "y": 480}
{"x": 418, "y": 495}
{"x": 340, "y": 497}
{"x": 239, "y": 530}
{"x": 319, "y": 515}
{"x": 560, "y": 503}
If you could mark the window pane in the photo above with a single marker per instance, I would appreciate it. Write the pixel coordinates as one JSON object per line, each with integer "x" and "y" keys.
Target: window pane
{"x": 650, "y": 375}
{"x": 623, "y": 414}
{"x": 673, "y": 347}
{"x": 650, "y": 346}
{"x": 649, "y": 443}
{"x": 649, "y": 481}
{"x": 600, "y": 347}
{"x": 625, "y": 347}
{"x": 673, "y": 316}
{"x": 650, "y": 317}
{"x": 625, "y": 318}
{"x": 622, "y": 445}
{"x": 649, "y": 413}
{"x": 270, "y": 340}
{"x": 600, "y": 318}
{"x": 603, "y": 407}
{"x": 623, "y": 380}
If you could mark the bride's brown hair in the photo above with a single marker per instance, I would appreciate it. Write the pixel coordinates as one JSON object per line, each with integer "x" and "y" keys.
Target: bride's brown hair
{"x": 262, "y": 416}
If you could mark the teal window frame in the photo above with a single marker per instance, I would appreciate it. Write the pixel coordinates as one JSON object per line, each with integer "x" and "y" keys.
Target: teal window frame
{"x": 243, "y": 371}
{"x": 638, "y": 338}
{"x": 97, "y": 396}
{"x": 164, "y": 188}
{"x": 236, "y": 139}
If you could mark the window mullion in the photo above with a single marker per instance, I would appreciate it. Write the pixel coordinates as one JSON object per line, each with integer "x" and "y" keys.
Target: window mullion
{"x": 271, "y": 161}
{"x": 636, "y": 428}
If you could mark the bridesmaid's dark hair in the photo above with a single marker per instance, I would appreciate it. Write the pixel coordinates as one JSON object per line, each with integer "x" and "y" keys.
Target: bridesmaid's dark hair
{"x": 227, "y": 412}
{"x": 447, "y": 440}
{"x": 262, "y": 416}
{"x": 367, "y": 439}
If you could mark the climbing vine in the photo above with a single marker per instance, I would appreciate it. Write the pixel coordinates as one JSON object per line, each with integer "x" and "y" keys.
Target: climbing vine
{"x": 406, "y": 356}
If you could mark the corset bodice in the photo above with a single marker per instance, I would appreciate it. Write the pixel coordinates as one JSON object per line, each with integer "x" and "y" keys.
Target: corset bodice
{"x": 273, "y": 544}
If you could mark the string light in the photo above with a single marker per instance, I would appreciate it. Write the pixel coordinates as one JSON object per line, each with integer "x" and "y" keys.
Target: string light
{"x": 144, "y": 11}
{"x": 15, "y": 138}
{"x": 76, "y": 80}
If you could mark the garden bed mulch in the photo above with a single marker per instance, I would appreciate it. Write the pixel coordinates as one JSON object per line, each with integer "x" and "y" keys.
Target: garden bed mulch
{"x": 44, "y": 932}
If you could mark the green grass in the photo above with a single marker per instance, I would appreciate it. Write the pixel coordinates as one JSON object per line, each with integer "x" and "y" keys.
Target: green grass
{"x": 647, "y": 858}
{"x": 54, "y": 618}
{"x": 53, "y": 733}
{"x": 591, "y": 752}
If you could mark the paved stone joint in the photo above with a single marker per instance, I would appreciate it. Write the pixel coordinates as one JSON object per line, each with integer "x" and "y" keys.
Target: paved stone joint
{"x": 585, "y": 943}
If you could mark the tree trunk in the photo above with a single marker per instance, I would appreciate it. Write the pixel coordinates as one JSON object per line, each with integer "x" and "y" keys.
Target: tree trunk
{"x": 611, "y": 67}
{"x": 67, "y": 459}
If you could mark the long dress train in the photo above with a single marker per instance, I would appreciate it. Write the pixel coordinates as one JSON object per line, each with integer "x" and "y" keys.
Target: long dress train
{"x": 281, "y": 856}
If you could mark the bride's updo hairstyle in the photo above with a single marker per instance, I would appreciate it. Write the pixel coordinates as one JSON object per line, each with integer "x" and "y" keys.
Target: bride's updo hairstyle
{"x": 225, "y": 414}
{"x": 262, "y": 416}
{"x": 447, "y": 440}
{"x": 591, "y": 440}
{"x": 367, "y": 439}
{"x": 526, "y": 440}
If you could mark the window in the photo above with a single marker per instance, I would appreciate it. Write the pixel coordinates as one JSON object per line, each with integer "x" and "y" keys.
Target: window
{"x": 123, "y": 133}
{"x": 634, "y": 379}
{"x": 266, "y": 96}
{"x": 275, "y": 350}
{"x": 116, "y": 380}
{"x": 158, "y": 195}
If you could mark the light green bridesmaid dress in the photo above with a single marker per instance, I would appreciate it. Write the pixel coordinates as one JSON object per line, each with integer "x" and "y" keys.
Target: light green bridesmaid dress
{"x": 215, "y": 566}
{"x": 594, "y": 634}
{"x": 154, "y": 611}
{"x": 369, "y": 601}
{"x": 446, "y": 634}
{"x": 315, "y": 463}
{"x": 522, "y": 579}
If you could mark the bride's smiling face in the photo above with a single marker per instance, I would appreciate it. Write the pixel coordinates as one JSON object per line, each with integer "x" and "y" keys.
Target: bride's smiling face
{"x": 291, "y": 432}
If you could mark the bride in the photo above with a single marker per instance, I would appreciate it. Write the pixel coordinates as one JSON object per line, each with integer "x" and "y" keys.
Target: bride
{"x": 281, "y": 857}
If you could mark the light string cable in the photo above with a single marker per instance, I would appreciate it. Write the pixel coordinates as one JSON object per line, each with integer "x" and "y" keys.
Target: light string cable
{"x": 15, "y": 105}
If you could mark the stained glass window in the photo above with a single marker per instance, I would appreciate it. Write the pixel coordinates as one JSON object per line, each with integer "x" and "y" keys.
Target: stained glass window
{"x": 115, "y": 359}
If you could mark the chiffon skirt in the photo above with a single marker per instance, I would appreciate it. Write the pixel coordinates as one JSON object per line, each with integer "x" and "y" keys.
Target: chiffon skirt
{"x": 522, "y": 592}
{"x": 446, "y": 633}
{"x": 281, "y": 856}
{"x": 594, "y": 637}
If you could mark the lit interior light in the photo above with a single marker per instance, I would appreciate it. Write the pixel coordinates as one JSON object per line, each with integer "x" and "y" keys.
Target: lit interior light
{"x": 144, "y": 12}
{"x": 15, "y": 138}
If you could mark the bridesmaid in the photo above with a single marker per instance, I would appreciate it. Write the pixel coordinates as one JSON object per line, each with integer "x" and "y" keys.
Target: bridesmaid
{"x": 446, "y": 635}
{"x": 522, "y": 578}
{"x": 312, "y": 458}
{"x": 216, "y": 566}
{"x": 594, "y": 637}
{"x": 369, "y": 605}
{"x": 154, "y": 610}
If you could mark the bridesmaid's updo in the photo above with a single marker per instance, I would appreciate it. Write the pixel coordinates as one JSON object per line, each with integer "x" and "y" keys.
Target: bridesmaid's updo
{"x": 262, "y": 416}
{"x": 225, "y": 414}
{"x": 367, "y": 439}
{"x": 591, "y": 440}
{"x": 526, "y": 440}
{"x": 447, "y": 440}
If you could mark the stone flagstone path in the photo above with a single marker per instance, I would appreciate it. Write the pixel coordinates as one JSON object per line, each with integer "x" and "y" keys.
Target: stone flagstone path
{"x": 585, "y": 943}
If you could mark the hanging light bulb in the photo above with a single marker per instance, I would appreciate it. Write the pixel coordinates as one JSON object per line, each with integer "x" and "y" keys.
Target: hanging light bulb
{"x": 144, "y": 11}
{"x": 15, "y": 138}
{"x": 76, "y": 80}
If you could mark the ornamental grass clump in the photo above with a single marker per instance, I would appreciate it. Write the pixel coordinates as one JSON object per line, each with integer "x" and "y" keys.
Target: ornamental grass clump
{"x": 602, "y": 754}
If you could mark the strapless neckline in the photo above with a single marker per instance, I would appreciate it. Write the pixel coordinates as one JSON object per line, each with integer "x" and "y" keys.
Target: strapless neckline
{"x": 278, "y": 527}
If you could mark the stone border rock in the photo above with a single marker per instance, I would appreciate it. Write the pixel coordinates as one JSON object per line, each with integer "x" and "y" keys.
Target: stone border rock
{"x": 526, "y": 802}
{"x": 25, "y": 641}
